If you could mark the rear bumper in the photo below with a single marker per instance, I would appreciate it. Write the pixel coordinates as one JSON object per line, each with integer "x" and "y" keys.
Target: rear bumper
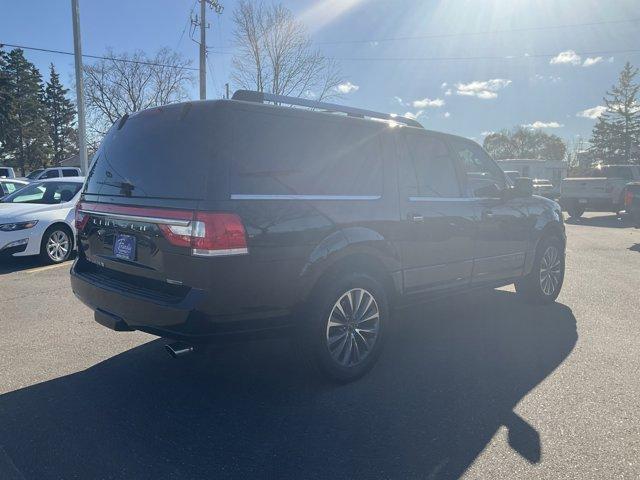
{"x": 123, "y": 310}
{"x": 590, "y": 204}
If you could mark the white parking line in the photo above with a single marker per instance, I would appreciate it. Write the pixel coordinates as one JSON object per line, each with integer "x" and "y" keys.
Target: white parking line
{"x": 48, "y": 267}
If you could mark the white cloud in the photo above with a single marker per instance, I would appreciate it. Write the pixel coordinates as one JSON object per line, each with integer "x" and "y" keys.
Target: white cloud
{"x": 447, "y": 114}
{"x": 448, "y": 92}
{"x": 485, "y": 90}
{"x": 412, "y": 115}
{"x": 347, "y": 87}
{"x": 610, "y": 59}
{"x": 428, "y": 103}
{"x": 487, "y": 133}
{"x": 444, "y": 85}
{"x": 590, "y": 61}
{"x": 568, "y": 57}
{"x": 592, "y": 113}
{"x": 399, "y": 100}
{"x": 538, "y": 124}
{"x": 545, "y": 79}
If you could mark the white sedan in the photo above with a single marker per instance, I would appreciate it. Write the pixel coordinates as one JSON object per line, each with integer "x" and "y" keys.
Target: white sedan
{"x": 39, "y": 219}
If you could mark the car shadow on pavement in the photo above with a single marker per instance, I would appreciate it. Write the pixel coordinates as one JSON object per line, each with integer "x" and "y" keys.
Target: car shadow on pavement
{"x": 449, "y": 378}
{"x": 19, "y": 264}
{"x": 607, "y": 221}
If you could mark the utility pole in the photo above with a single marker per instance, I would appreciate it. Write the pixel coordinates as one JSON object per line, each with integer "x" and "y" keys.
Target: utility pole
{"x": 202, "y": 23}
{"x": 77, "y": 49}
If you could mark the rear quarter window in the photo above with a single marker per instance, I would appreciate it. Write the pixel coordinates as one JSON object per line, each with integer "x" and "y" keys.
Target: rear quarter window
{"x": 282, "y": 154}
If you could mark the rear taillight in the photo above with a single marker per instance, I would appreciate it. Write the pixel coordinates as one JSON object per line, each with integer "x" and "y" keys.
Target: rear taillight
{"x": 209, "y": 235}
{"x": 628, "y": 198}
{"x": 81, "y": 218}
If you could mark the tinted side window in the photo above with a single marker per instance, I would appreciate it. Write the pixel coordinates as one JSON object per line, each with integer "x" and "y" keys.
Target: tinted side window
{"x": 52, "y": 174}
{"x": 484, "y": 178}
{"x": 429, "y": 169}
{"x": 4, "y": 172}
{"x": 280, "y": 154}
{"x": 69, "y": 172}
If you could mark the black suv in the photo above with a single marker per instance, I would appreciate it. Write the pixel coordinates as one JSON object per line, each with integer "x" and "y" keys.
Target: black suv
{"x": 245, "y": 218}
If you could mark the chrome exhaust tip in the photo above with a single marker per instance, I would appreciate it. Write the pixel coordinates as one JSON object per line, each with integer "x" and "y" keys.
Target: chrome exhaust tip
{"x": 177, "y": 350}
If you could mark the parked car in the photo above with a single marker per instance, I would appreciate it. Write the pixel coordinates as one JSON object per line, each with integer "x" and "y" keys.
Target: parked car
{"x": 512, "y": 174}
{"x": 601, "y": 191}
{"x": 8, "y": 186}
{"x": 7, "y": 172}
{"x": 39, "y": 219}
{"x": 54, "y": 172}
{"x": 277, "y": 220}
{"x": 543, "y": 187}
{"x": 631, "y": 195}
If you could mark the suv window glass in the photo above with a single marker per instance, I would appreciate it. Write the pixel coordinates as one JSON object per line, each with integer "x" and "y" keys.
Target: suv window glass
{"x": 617, "y": 172}
{"x": 429, "y": 170}
{"x": 51, "y": 174}
{"x": 33, "y": 175}
{"x": 4, "y": 172}
{"x": 483, "y": 176}
{"x": 289, "y": 155}
{"x": 69, "y": 172}
{"x": 164, "y": 152}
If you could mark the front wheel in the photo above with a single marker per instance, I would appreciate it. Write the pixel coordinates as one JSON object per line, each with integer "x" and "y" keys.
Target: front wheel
{"x": 345, "y": 327}
{"x": 56, "y": 245}
{"x": 545, "y": 281}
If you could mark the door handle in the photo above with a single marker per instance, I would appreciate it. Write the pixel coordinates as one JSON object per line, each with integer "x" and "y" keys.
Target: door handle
{"x": 416, "y": 218}
{"x": 487, "y": 214}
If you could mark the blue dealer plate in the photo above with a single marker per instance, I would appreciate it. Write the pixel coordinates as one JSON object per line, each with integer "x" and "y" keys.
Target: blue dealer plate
{"x": 125, "y": 247}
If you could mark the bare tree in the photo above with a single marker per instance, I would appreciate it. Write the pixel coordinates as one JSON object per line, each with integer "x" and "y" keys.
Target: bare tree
{"x": 276, "y": 55}
{"x": 127, "y": 83}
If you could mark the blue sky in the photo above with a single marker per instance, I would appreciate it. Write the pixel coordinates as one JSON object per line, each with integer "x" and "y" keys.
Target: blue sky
{"x": 466, "y": 97}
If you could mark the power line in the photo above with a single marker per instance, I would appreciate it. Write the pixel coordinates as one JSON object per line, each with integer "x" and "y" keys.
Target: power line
{"x": 97, "y": 57}
{"x": 494, "y": 57}
{"x": 188, "y": 22}
{"x": 486, "y": 32}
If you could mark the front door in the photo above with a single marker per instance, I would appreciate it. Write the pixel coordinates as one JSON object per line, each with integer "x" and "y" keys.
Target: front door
{"x": 503, "y": 225}
{"x": 437, "y": 223}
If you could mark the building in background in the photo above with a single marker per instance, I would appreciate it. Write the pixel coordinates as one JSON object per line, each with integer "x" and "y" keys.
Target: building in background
{"x": 552, "y": 170}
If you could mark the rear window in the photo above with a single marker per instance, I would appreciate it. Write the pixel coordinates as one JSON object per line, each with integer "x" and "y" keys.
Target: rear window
{"x": 280, "y": 154}
{"x": 160, "y": 153}
{"x": 5, "y": 172}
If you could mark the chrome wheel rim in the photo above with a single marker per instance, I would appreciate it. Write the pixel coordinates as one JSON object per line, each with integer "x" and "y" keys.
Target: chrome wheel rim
{"x": 550, "y": 271}
{"x": 353, "y": 327}
{"x": 58, "y": 246}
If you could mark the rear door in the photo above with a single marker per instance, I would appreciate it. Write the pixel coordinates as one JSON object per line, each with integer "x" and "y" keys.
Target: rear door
{"x": 437, "y": 222}
{"x": 503, "y": 225}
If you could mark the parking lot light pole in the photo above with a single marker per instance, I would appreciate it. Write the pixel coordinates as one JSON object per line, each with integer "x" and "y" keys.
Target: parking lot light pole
{"x": 77, "y": 49}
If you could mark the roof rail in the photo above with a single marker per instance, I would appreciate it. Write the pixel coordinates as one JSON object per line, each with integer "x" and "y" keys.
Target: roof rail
{"x": 261, "y": 97}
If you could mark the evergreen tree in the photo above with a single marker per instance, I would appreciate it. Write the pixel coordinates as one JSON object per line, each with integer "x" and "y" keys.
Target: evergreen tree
{"x": 616, "y": 136}
{"x": 60, "y": 116}
{"x": 5, "y": 103}
{"x": 27, "y": 137}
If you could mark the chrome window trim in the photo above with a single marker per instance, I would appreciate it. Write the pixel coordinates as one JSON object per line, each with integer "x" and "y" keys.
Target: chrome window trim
{"x": 137, "y": 218}
{"x": 442, "y": 199}
{"x": 238, "y": 196}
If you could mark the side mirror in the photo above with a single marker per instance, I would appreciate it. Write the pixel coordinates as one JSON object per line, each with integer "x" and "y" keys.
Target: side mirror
{"x": 523, "y": 187}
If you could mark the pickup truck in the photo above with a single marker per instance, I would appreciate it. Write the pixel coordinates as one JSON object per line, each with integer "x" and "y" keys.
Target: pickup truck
{"x": 599, "y": 191}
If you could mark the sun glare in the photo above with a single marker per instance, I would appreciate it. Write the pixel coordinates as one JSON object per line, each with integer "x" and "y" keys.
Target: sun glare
{"x": 324, "y": 12}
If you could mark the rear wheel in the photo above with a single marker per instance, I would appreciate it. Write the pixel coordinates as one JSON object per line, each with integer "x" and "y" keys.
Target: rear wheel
{"x": 56, "y": 246}
{"x": 545, "y": 281}
{"x": 346, "y": 325}
{"x": 575, "y": 211}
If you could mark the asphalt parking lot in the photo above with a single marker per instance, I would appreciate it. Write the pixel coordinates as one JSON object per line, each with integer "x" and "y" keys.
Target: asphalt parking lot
{"x": 480, "y": 387}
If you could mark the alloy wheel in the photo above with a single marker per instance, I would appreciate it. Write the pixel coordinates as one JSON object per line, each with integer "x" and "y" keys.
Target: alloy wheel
{"x": 353, "y": 327}
{"x": 550, "y": 270}
{"x": 58, "y": 246}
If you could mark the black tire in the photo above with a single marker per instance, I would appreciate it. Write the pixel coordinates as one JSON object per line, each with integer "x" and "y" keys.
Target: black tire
{"x": 317, "y": 332}
{"x": 533, "y": 287}
{"x": 575, "y": 212}
{"x": 56, "y": 231}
